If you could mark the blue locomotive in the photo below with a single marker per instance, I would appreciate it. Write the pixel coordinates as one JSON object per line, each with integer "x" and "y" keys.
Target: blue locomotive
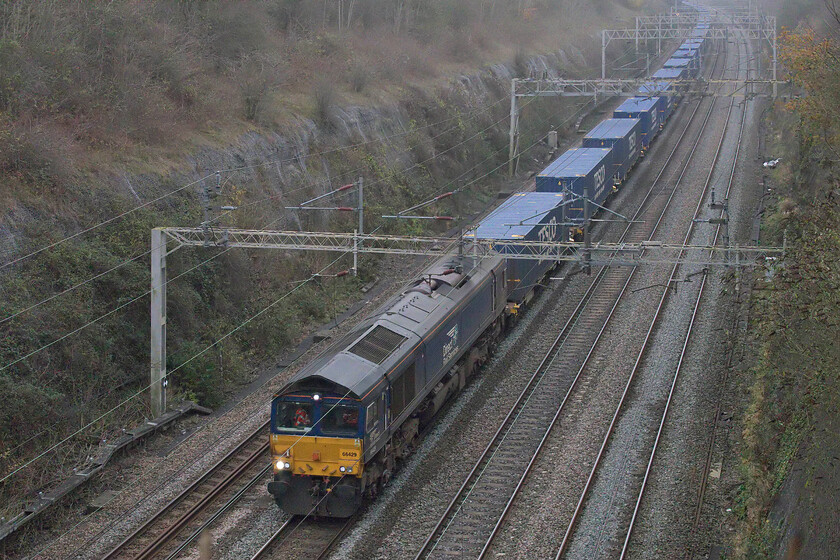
{"x": 342, "y": 424}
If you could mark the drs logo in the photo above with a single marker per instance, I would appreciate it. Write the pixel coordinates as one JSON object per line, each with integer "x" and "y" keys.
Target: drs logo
{"x": 450, "y": 347}
{"x": 633, "y": 141}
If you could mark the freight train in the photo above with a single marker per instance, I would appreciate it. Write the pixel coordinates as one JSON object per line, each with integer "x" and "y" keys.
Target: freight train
{"x": 341, "y": 426}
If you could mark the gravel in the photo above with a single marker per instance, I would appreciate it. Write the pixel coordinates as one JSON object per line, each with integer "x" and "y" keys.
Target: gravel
{"x": 665, "y": 527}
{"x": 397, "y": 523}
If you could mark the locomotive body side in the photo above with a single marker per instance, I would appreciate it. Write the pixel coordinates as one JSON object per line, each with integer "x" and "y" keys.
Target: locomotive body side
{"x": 377, "y": 387}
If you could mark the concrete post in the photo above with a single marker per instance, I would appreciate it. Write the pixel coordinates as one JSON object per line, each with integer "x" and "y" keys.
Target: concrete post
{"x": 775, "y": 85}
{"x": 361, "y": 230}
{"x": 659, "y": 37}
{"x": 637, "y": 36}
{"x": 604, "y": 54}
{"x": 514, "y": 127}
{"x": 158, "y": 309}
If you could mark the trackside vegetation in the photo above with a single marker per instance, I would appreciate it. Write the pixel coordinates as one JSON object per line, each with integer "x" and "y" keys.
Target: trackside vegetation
{"x": 105, "y": 106}
{"x": 793, "y": 387}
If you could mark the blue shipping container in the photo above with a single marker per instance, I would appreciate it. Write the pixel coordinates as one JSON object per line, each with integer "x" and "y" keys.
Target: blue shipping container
{"x": 663, "y": 90}
{"x": 648, "y": 110}
{"x": 579, "y": 170}
{"x": 696, "y": 43}
{"x": 669, "y": 74}
{"x": 533, "y": 216}
{"x": 687, "y": 53}
{"x": 691, "y": 66}
{"x": 624, "y": 136}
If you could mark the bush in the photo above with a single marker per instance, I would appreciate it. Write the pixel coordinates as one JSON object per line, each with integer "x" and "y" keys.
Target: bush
{"x": 324, "y": 96}
{"x": 358, "y": 76}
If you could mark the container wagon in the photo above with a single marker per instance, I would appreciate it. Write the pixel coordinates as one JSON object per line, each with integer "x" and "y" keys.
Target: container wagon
{"x": 577, "y": 171}
{"x": 696, "y": 43}
{"x": 624, "y": 136}
{"x": 665, "y": 91}
{"x": 687, "y": 52}
{"x": 691, "y": 66}
{"x": 527, "y": 216}
{"x": 647, "y": 110}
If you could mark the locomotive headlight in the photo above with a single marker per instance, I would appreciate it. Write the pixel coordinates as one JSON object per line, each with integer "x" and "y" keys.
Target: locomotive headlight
{"x": 341, "y": 468}
{"x": 316, "y": 397}
{"x": 279, "y": 465}
{"x": 286, "y": 465}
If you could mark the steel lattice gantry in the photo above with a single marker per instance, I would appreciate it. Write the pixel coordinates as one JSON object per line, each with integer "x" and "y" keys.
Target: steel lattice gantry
{"x": 673, "y": 26}
{"x": 601, "y": 254}
{"x": 551, "y": 87}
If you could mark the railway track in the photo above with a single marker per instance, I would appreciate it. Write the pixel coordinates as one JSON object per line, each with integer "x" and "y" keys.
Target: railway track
{"x": 175, "y": 526}
{"x": 479, "y": 508}
{"x": 701, "y": 492}
{"x": 300, "y": 537}
{"x": 624, "y": 404}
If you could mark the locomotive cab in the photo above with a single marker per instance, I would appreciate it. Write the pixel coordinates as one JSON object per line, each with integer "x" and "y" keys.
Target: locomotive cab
{"x": 316, "y": 447}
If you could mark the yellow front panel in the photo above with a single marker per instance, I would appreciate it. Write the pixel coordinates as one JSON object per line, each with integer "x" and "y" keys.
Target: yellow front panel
{"x": 318, "y": 456}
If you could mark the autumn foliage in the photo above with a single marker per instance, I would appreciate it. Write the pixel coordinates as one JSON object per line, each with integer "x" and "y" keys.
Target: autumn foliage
{"x": 813, "y": 64}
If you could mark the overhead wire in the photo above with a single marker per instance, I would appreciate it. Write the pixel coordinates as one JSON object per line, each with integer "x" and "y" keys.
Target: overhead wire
{"x": 210, "y": 445}
{"x": 94, "y": 321}
{"x": 217, "y": 218}
{"x": 113, "y": 388}
{"x": 230, "y": 333}
{"x": 300, "y": 157}
{"x": 173, "y": 370}
{"x": 262, "y": 311}
{"x": 406, "y": 170}
{"x": 100, "y": 224}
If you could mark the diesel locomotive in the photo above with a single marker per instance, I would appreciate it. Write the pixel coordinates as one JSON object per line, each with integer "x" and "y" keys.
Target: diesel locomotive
{"x": 342, "y": 424}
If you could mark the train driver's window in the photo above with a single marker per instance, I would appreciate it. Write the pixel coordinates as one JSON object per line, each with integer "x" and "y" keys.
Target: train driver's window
{"x": 294, "y": 416}
{"x": 340, "y": 420}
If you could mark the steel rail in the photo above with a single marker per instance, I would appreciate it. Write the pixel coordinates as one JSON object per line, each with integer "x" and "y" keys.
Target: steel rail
{"x": 593, "y": 471}
{"x": 221, "y": 511}
{"x": 521, "y": 401}
{"x": 168, "y": 533}
{"x": 718, "y": 407}
{"x": 292, "y": 524}
{"x": 512, "y": 499}
{"x": 677, "y": 371}
{"x": 683, "y": 352}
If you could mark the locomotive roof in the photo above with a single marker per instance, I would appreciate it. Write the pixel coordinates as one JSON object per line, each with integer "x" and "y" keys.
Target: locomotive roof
{"x": 531, "y": 209}
{"x": 577, "y": 162}
{"x": 359, "y": 360}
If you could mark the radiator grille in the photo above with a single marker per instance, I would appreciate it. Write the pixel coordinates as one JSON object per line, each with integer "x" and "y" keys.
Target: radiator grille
{"x": 377, "y": 345}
